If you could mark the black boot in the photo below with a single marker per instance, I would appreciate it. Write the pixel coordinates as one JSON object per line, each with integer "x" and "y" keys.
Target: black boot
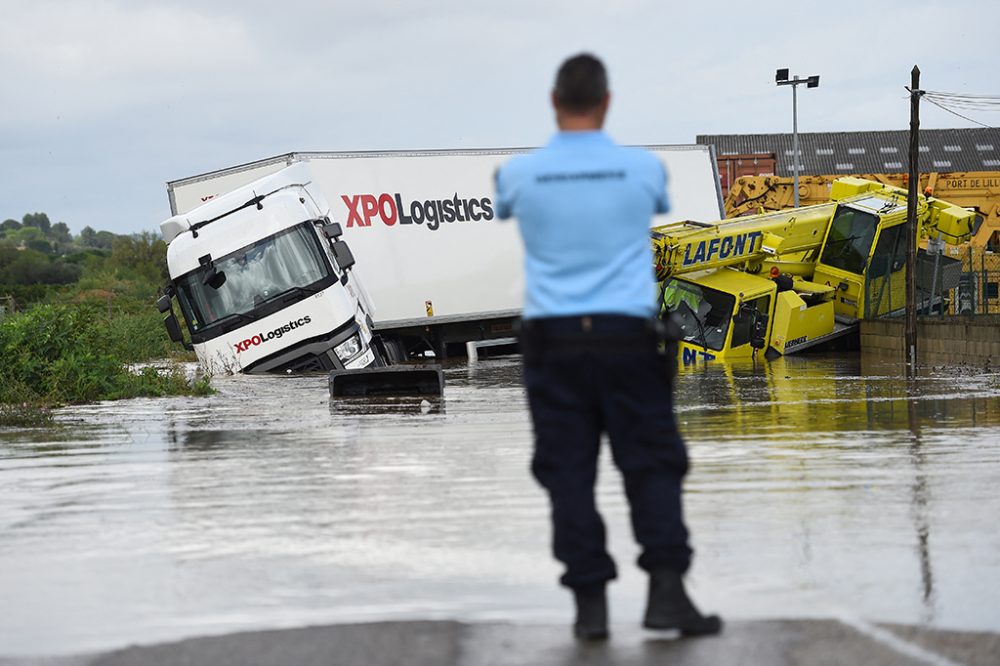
{"x": 591, "y": 614}
{"x": 670, "y": 608}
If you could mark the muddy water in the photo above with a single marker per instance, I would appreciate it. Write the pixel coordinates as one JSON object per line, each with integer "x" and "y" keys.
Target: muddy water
{"x": 820, "y": 487}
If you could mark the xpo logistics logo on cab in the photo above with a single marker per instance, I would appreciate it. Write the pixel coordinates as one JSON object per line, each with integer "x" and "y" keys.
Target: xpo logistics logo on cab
{"x": 363, "y": 208}
{"x": 262, "y": 338}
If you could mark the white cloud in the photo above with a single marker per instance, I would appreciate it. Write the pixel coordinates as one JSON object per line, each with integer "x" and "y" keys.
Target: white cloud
{"x": 66, "y": 59}
{"x": 94, "y": 40}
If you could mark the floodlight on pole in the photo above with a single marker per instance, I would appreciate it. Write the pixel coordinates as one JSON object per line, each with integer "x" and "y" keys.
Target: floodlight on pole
{"x": 781, "y": 79}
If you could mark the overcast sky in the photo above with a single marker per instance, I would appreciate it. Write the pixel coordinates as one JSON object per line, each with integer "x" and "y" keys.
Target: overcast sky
{"x": 103, "y": 101}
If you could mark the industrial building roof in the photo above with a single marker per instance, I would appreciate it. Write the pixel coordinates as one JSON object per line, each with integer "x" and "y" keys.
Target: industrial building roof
{"x": 868, "y": 152}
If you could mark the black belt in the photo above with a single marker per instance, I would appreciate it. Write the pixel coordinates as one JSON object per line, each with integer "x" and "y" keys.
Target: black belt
{"x": 598, "y": 332}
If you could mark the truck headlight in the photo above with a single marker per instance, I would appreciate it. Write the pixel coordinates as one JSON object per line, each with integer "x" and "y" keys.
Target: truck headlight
{"x": 348, "y": 348}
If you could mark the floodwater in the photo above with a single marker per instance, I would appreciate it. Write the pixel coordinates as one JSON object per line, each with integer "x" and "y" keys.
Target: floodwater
{"x": 820, "y": 487}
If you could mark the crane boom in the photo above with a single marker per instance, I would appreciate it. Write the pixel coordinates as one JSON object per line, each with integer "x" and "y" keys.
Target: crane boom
{"x": 683, "y": 247}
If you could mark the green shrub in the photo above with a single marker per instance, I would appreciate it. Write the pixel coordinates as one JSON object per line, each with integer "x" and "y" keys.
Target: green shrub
{"x": 56, "y": 354}
{"x": 135, "y": 337}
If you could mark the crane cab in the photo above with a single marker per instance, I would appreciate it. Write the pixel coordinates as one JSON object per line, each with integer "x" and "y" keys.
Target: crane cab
{"x": 729, "y": 314}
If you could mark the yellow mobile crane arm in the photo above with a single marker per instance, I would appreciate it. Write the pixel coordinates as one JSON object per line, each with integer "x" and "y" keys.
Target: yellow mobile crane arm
{"x": 979, "y": 190}
{"x": 684, "y": 247}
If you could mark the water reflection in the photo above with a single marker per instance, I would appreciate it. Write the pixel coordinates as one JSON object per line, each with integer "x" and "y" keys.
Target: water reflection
{"x": 921, "y": 501}
{"x": 866, "y": 463}
{"x": 388, "y": 405}
{"x": 818, "y": 484}
{"x": 817, "y": 396}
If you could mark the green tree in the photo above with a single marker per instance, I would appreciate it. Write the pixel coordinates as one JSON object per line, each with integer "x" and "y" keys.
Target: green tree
{"x": 25, "y": 236}
{"x": 100, "y": 240}
{"x": 60, "y": 233}
{"x": 10, "y": 225}
{"x": 87, "y": 237}
{"x": 37, "y": 220}
{"x": 142, "y": 255}
{"x": 32, "y": 238}
{"x": 8, "y": 253}
{"x": 40, "y": 245}
{"x": 27, "y": 267}
{"x": 104, "y": 240}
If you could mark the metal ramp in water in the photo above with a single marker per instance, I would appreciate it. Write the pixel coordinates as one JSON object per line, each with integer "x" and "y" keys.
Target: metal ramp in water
{"x": 394, "y": 380}
{"x": 840, "y": 330}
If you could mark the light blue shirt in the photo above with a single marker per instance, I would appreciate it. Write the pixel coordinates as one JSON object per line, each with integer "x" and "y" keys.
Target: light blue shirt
{"x": 583, "y": 206}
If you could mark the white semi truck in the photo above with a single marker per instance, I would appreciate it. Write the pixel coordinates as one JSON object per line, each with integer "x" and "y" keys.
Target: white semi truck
{"x": 265, "y": 282}
{"x": 440, "y": 268}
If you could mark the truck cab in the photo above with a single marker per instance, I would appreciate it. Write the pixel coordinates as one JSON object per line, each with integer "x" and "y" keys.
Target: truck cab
{"x": 266, "y": 284}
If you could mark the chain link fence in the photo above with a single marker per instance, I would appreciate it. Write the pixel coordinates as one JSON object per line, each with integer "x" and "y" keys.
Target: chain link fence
{"x": 977, "y": 290}
{"x": 960, "y": 280}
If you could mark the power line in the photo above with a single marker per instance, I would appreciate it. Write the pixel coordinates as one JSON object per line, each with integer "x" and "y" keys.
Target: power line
{"x": 950, "y": 102}
{"x": 971, "y": 120}
{"x": 966, "y": 104}
{"x": 940, "y": 93}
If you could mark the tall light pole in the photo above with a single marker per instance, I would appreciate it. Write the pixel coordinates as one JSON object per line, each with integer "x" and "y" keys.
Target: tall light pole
{"x": 781, "y": 78}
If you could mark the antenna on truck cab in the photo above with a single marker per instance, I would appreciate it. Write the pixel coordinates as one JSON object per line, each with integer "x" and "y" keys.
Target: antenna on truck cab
{"x": 256, "y": 201}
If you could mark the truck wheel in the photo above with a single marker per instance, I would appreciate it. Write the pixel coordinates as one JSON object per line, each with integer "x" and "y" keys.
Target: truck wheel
{"x": 395, "y": 350}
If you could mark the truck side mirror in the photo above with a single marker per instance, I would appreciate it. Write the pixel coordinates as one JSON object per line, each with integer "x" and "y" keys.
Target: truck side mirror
{"x": 758, "y": 332}
{"x": 163, "y": 304}
{"x": 758, "y": 324}
{"x": 757, "y": 335}
{"x": 332, "y": 230}
{"x": 173, "y": 328}
{"x": 342, "y": 253}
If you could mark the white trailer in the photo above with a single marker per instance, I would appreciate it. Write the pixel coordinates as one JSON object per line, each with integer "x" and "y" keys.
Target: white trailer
{"x": 440, "y": 268}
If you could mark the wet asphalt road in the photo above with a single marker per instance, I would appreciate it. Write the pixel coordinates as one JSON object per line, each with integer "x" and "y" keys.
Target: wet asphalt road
{"x": 821, "y": 488}
{"x": 445, "y": 643}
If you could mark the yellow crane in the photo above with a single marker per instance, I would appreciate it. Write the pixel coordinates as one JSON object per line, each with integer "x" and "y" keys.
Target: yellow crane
{"x": 788, "y": 280}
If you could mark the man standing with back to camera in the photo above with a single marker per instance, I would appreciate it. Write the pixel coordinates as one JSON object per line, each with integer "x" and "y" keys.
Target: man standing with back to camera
{"x": 591, "y": 364}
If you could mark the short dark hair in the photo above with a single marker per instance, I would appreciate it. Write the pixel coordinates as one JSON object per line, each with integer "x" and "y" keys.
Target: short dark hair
{"x": 581, "y": 83}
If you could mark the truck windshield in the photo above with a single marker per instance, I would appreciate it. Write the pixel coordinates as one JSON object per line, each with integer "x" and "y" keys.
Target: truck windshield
{"x": 850, "y": 240}
{"x": 285, "y": 266}
{"x": 702, "y": 313}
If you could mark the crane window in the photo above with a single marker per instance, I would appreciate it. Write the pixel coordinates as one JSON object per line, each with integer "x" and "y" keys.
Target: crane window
{"x": 755, "y": 311}
{"x": 890, "y": 252}
{"x": 849, "y": 242}
{"x": 702, "y": 313}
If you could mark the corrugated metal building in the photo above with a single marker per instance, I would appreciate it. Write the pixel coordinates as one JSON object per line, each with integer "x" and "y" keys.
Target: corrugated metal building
{"x": 823, "y": 153}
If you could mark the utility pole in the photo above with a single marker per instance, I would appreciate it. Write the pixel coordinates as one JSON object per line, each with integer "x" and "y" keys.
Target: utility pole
{"x": 781, "y": 78}
{"x": 911, "y": 221}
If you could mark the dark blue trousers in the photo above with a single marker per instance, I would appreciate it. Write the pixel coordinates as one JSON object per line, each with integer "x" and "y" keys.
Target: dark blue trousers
{"x": 590, "y": 375}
